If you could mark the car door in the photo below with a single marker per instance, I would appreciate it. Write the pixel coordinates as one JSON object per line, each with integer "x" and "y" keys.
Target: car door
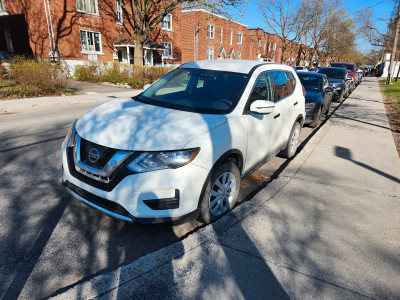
{"x": 285, "y": 102}
{"x": 262, "y": 130}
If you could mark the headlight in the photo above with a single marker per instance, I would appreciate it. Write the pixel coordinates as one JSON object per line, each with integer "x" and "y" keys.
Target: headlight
{"x": 310, "y": 105}
{"x": 71, "y": 136}
{"x": 151, "y": 161}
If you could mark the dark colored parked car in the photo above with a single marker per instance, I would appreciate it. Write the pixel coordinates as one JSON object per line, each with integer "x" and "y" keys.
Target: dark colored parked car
{"x": 352, "y": 72}
{"x": 339, "y": 81}
{"x": 318, "y": 96}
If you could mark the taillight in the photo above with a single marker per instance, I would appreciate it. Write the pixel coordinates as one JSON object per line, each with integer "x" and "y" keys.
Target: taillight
{"x": 304, "y": 91}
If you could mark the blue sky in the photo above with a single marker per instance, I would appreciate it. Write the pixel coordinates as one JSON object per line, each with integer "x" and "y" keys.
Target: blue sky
{"x": 382, "y": 11}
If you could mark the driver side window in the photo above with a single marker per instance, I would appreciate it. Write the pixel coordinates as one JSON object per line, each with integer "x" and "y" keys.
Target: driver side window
{"x": 263, "y": 89}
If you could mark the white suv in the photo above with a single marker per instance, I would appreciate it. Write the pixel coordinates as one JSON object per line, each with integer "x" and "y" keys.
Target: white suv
{"x": 180, "y": 148}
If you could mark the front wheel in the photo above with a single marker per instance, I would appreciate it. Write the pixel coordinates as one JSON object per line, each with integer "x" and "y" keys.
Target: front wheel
{"x": 292, "y": 143}
{"x": 317, "y": 118}
{"x": 221, "y": 193}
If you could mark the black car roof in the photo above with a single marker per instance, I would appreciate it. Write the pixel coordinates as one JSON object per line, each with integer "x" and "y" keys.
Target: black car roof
{"x": 311, "y": 74}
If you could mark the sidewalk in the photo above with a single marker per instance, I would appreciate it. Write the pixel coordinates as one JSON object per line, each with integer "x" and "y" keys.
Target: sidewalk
{"x": 327, "y": 228}
{"x": 87, "y": 95}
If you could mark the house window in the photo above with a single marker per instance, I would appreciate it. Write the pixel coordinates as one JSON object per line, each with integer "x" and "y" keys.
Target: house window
{"x": 90, "y": 41}
{"x": 210, "y": 31}
{"x": 239, "y": 38}
{"x": 3, "y": 7}
{"x": 265, "y": 44}
{"x": 210, "y": 53}
{"x": 166, "y": 23}
{"x": 238, "y": 55}
{"x": 220, "y": 38}
{"x": 269, "y": 46}
{"x": 274, "y": 47}
{"x": 88, "y": 6}
{"x": 259, "y": 43}
{"x": 231, "y": 36}
{"x": 168, "y": 50}
{"x": 9, "y": 43}
{"x": 118, "y": 11}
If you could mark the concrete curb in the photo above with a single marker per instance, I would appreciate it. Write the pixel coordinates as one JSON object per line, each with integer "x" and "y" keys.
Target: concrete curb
{"x": 26, "y": 103}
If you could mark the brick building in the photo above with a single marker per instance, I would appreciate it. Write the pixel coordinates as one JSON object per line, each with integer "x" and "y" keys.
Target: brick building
{"x": 75, "y": 31}
{"x": 263, "y": 46}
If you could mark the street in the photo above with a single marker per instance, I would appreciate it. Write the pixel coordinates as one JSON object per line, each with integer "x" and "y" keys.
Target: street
{"x": 50, "y": 241}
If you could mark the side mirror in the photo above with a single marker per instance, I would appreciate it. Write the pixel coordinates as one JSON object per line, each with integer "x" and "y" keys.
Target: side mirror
{"x": 146, "y": 86}
{"x": 262, "y": 107}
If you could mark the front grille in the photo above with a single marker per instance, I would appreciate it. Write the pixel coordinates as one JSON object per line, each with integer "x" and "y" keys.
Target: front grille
{"x": 90, "y": 151}
{"x": 104, "y": 203}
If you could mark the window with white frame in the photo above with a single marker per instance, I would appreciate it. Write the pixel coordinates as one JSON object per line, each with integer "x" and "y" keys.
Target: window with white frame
{"x": 239, "y": 38}
{"x": 274, "y": 47}
{"x": 265, "y": 44}
{"x": 238, "y": 55}
{"x": 221, "y": 33}
{"x": 231, "y": 37}
{"x": 210, "y": 53}
{"x": 269, "y": 46}
{"x": 166, "y": 23}
{"x": 87, "y": 6}
{"x": 259, "y": 43}
{"x": 118, "y": 11}
{"x": 210, "y": 31}
{"x": 3, "y": 7}
{"x": 90, "y": 41}
{"x": 168, "y": 50}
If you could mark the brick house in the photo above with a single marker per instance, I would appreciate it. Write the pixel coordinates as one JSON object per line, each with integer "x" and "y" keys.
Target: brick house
{"x": 75, "y": 31}
{"x": 263, "y": 46}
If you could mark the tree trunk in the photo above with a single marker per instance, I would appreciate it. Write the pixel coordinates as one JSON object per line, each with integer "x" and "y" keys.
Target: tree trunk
{"x": 138, "y": 53}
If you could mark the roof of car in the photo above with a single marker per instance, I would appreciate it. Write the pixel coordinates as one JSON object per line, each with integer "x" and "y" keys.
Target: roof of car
{"x": 336, "y": 68}
{"x": 311, "y": 74}
{"x": 229, "y": 65}
{"x": 342, "y": 63}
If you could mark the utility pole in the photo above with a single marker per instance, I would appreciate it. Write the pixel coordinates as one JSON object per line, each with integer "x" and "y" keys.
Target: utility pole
{"x": 394, "y": 49}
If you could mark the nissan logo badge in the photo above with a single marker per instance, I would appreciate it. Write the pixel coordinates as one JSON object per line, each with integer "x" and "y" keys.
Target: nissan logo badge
{"x": 94, "y": 155}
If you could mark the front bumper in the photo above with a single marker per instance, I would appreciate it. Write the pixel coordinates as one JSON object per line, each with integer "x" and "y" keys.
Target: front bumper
{"x": 152, "y": 197}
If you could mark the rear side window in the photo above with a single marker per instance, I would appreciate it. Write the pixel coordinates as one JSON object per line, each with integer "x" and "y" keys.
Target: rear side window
{"x": 283, "y": 86}
{"x": 292, "y": 81}
{"x": 263, "y": 89}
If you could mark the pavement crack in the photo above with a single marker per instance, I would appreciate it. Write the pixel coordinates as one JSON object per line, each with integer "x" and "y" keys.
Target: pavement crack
{"x": 297, "y": 271}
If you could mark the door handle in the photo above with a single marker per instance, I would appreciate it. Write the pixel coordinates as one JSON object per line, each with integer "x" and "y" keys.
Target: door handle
{"x": 297, "y": 102}
{"x": 277, "y": 116}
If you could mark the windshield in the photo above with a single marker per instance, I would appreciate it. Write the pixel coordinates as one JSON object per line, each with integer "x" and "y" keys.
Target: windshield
{"x": 311, "y": 83}
{"x": 332, "y": 73}
{"x": 348, "y": 67}
{"x": 197, "y": 90}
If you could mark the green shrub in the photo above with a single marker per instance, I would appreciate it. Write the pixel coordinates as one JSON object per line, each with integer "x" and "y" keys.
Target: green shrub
{"x": 31, "y": 78}
{"x": 135, "y": 76}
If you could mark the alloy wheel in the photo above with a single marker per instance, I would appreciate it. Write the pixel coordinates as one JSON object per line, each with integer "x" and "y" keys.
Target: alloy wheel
{"x": 222, "y": 194}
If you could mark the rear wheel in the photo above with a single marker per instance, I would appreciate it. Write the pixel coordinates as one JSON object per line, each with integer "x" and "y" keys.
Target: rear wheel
{"x": 292, "y": 143}
{"x": 221, "y": 193}
{"x": 317, "y": 118}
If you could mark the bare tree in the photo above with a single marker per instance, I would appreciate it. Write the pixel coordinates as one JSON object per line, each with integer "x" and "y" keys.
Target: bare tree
{"x": 365, "y": 20}
{"x": 289, "y": 21}
{"x": 145, "y": 15}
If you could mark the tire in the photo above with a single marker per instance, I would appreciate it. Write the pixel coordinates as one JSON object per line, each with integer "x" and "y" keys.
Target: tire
{"x": 317, "y": 118}
{"x": 292, "y": 143}
{"x": 217, "y": 199}
{"x": 341, "y": 98}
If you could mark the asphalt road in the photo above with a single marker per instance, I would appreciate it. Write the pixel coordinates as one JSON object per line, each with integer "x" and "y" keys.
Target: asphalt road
{"x": 50, "y": 241}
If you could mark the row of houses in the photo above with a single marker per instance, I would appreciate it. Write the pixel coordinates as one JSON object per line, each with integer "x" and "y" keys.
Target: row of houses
{"x": 75, "y": 31}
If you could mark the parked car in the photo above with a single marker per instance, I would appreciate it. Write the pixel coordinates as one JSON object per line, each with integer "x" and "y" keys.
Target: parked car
{"x": 318, "y": 96}
{"x": 313, "y": 69}
{"x": 352, "y": 72}
{"x": 301, "y": 68}
{"x": 339, "y": 81}
{"x": 181, "y": 147}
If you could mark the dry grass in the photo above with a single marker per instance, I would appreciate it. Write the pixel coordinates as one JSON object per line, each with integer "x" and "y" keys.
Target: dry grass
{"x": 392, "y": 105}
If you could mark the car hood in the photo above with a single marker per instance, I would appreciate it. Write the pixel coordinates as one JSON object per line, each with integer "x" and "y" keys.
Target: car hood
{"x": 129, "y": 125}
{"x": 313, "y": 97}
